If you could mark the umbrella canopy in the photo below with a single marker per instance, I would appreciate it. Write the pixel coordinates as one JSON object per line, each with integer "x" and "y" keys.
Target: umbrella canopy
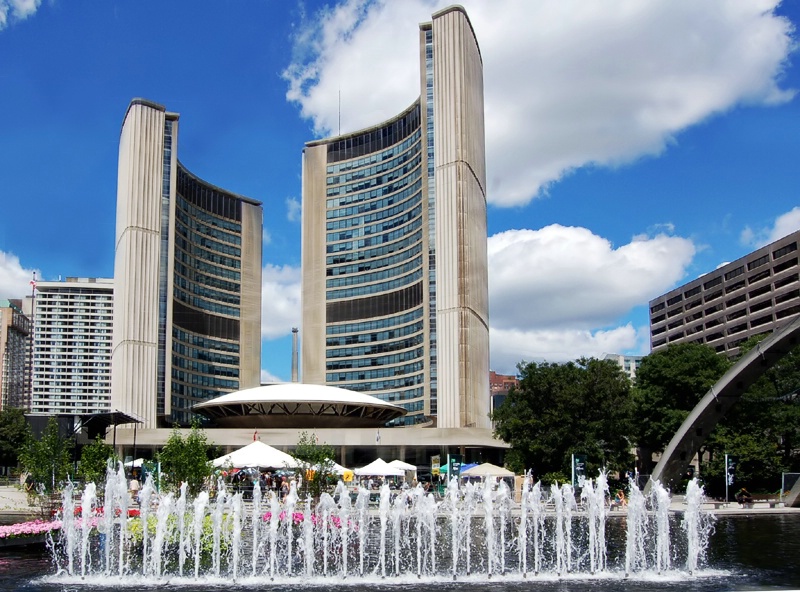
{"x": 257, "y": 454}
{"x": 380, "y": 468}
{"x": 134, "y": 463}
{"x": 487, "y": 470}
{"x": 399, "y": 464}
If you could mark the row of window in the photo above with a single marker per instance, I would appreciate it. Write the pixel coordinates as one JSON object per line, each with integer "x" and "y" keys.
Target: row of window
{"x": 347, "y": 363}
{"x": 375, "y": 349}
{"x": 371, "y": 254}
{"x": 754, "y": 264}
{"x": 375, "y": 157}
{"x": 371, "y": 171}
{"x": 201, "y": 277}
{"x": 365, "y": 278}
{"x": 189, "y": 237}
{"x": 388, "y": 286}
{"x": 374, "y": 337}
{"x": 340, "y": 221}
{"x": 379, "y": 228}
{"x": 202, "y": 304}
{"x": 374, "y": 325}
{"x": 379, "y": 181}
{"x": 230, "y": 235}
{"x": 363, "y": 266}
{"x": 204, "y": 342}
{"x": 205, "y": 380}
{"x": 202, "y": 254}
{"x": 750, "y": 281}
{"x": 405, "y": 371}
{"x": 378, "y": 386}
{"x": 375, "y": 240}
{"x": 409, "y": 181}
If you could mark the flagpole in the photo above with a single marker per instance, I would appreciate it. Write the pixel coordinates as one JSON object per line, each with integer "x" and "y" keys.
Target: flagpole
{"x": 727, "y": 478}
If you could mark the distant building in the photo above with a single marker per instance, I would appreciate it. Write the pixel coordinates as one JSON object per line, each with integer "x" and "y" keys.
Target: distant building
{"x": 499, "y": 385}
{"x": 187, "y": 272}
{"x": 751, "y": 296}
{"x": 395, "y": 276}
{"x": 15, "y": 329}
{"x": 628, "y": 364}
{"x": 73, "y": 321}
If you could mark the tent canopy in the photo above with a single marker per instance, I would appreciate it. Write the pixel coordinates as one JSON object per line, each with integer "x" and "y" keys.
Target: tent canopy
{"x": 334, "y": 467}
{"x": 487, "y": 470}
{"x": 399, "y": 464}
{"x": 257, "y": 454}
{"x": 380, "y": 468}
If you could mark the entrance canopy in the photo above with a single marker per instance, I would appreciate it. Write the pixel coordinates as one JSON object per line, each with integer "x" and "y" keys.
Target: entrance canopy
{"x": 257, "y": 454}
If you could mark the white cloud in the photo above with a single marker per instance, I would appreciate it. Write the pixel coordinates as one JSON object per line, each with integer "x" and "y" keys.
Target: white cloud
{"x": 784, "y": 225}
{"x": 512, "y": 346}
{"x": 293, "y": 209}
{"x": 280, "y": 300}
{"x": 567, "y": 83}
{"x": 266, "y": 237}
{"x": 559, "y": 293}
{"x": 267, "y": 376}
{"x": 569, "y": 278}
{"x": 16, "y": 10}
{"x": 14, "y": 279}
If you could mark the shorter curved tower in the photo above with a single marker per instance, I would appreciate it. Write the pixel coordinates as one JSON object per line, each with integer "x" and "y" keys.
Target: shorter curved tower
{"x": 395, "y": 279}
{"x": 187, "y": 279}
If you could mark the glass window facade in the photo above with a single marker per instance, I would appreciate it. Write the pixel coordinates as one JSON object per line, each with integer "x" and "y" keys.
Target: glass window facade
{"x": 206, "y": 295}
{"x": 375, "y": 264}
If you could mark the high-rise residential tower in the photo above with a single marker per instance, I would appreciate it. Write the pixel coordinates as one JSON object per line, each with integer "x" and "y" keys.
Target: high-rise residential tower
{"x": 187, "y": 273}
{"x": 72, "y": 346}
{"x": 15, "y": 327}
{"x": 395, "y": 288}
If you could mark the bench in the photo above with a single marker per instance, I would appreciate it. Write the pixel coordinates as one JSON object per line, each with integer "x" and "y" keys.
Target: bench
{"x": 767, "y": 498}
{"x": 717, "y": 504}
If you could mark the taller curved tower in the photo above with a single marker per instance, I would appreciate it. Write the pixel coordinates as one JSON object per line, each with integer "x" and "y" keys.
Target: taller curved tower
{"x": 395, "y": 280}
{"x": 187, "y": 279}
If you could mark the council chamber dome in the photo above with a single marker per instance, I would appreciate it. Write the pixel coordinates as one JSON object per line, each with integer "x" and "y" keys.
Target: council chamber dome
{"x": 297, "y": 405}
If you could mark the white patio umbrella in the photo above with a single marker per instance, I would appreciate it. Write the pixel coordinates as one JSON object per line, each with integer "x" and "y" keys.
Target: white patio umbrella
{"x": 379, "y": 468}
{"x": 257, "y": 454}
{"x": 134, "y": 464}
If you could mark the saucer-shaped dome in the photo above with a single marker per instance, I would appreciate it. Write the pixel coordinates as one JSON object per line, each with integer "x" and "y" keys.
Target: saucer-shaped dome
{"x": 297, "y": 405}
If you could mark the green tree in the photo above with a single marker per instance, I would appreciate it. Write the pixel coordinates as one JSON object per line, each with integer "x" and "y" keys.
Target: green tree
{"x": 581, "y": 407}
{"x": 186, "y": 459}
{"x": 669, "y": 383}
{"x": 317, "y": 460}
{"x": 48, "y": 459}
{"x": 14, "y": 433}
{"x": 94, "y": 460}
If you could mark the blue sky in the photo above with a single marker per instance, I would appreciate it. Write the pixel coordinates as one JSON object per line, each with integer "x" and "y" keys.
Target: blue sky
{"x": 631, "y": 146}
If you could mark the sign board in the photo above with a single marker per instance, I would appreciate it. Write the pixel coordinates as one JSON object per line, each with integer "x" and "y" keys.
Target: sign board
{"x": 454, "y": 462}
{"x": 435, "y": 464}
{"x": 578, "y": 470}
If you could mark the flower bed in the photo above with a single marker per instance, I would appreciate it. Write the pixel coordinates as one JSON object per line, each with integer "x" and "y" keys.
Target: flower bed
{"x": 32, "y": 528}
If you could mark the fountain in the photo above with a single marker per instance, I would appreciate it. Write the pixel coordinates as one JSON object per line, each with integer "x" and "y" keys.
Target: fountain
{"x": 471, "y": 531}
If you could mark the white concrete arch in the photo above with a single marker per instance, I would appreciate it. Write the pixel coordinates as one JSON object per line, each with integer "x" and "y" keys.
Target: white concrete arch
{"x": 719, "y": 399}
